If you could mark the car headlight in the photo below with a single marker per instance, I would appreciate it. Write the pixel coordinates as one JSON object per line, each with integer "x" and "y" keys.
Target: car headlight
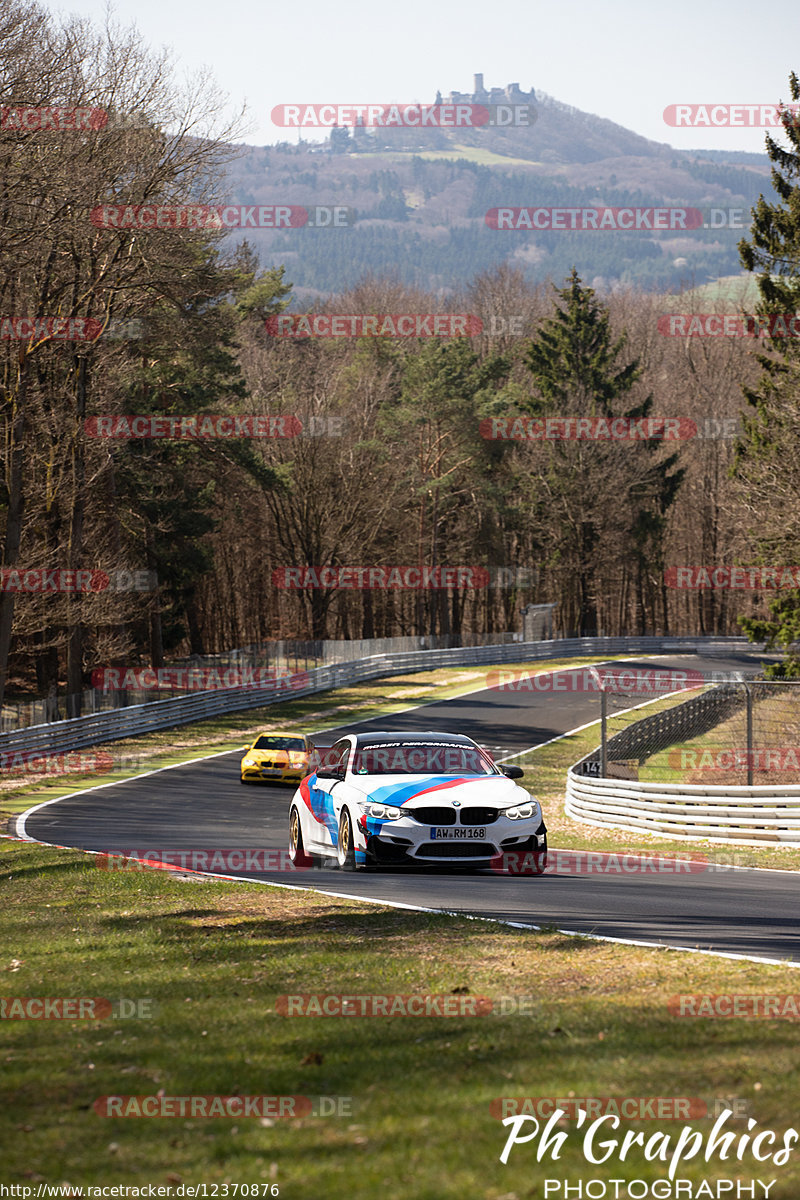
{"x": 249, "y": 762}
{"x": 382, "y": 811}
{"x": 523, "y": 812}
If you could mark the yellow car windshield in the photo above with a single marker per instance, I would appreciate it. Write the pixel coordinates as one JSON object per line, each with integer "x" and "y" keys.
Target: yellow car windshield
{"x": 266, "y": 742}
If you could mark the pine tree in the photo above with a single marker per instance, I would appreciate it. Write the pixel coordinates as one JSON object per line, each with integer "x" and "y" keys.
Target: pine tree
{"x": 605, "y": 501}
{"x": 767, "y": 464}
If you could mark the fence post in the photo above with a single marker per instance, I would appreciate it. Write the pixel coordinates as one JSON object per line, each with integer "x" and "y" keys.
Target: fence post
{"x": 749, "y": 695}
{"x": 603, "y": 745}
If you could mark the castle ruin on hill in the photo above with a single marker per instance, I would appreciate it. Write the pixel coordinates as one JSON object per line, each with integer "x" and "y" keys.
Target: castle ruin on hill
{"x": 359, "y": 138}
{"x": 510, "y": 94}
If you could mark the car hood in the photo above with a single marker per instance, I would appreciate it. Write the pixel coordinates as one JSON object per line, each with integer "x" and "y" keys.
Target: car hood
{"x": 440, "y": 789}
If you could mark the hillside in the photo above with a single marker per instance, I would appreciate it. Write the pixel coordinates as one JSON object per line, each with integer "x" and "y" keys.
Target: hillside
{"x": 420, "y": 199}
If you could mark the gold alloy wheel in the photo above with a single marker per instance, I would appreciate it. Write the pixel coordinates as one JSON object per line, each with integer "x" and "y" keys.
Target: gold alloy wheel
{"x": 295, "y": 835}
{"x": 345, "y": 851}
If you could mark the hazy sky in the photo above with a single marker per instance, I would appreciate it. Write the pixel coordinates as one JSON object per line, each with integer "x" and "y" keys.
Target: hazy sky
{"x": 625, "y": 60}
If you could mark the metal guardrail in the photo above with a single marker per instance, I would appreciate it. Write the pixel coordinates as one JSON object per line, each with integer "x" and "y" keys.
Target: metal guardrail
{"x": 264, "y": 661}
{"x": 749, "y": 815}
{"x": 97, "y": 728}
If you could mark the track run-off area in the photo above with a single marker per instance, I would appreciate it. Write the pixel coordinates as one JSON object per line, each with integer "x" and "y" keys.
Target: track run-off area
{"x": 201, "y": 805}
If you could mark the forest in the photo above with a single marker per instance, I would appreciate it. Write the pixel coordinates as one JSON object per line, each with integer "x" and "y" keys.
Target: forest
{"x": 168, "y": 461}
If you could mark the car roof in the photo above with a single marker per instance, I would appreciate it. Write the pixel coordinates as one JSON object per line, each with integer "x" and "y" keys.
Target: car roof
{"x": 371, "y": 739}
{"x": 280, "y": 733}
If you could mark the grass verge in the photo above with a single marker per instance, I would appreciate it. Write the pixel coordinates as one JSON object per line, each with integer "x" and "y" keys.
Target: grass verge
{"x": 413, "y": 1094}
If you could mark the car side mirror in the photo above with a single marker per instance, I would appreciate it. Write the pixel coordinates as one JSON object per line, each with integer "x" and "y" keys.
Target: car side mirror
{"x": 319, "y": 762}
{"x": 513, "y": 772}
{"x": 326, "y": 772}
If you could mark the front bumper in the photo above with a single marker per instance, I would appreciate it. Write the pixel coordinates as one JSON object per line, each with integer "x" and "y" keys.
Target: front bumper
{"x": 264, "y": 774}
{"x": 404, "y": 841}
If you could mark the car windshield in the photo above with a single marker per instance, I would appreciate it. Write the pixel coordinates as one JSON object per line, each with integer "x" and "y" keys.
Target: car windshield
{"x": 421, "y": 758}
{"x": 278, "y": 743}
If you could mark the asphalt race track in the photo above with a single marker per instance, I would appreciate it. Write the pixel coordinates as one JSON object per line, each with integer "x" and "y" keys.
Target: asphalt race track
{"x": 202, "y": 806}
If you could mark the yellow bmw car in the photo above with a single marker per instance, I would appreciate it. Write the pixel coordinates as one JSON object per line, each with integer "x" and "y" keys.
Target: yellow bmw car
{"x": 281, "y": 757}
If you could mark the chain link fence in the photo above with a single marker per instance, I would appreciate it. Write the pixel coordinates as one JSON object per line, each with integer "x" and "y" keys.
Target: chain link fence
{"x": 717, "y": 729}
